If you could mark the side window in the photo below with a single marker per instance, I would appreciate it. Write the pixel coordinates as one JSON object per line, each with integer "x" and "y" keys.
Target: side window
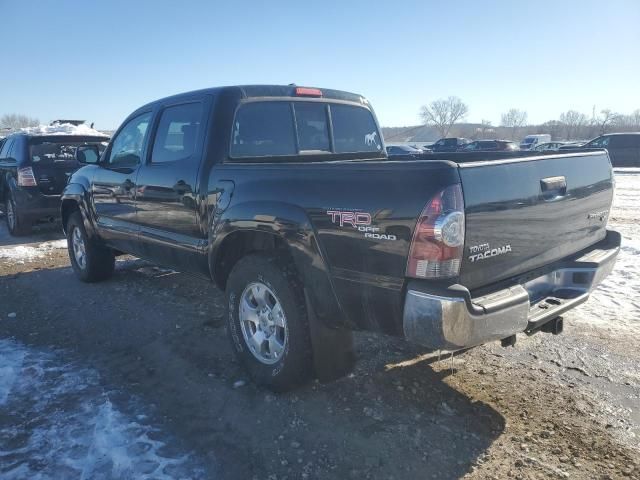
{"x": 127, "y": 146}
{"x": 6, "y": 147}
{"x": 354, "y": 130}
{"x": 313, "y": 131}
{"x": 451, "y": 142}
{"x": 178, "y": 132}
{"x": 263, "y": 129}
{"x": 623, "y": 141}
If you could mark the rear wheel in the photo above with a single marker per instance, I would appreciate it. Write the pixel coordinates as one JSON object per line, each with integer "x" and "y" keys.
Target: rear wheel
{"x": 16, "y": 223}
{"x": 91, "y": 261}
{"x": 267, "y": 322}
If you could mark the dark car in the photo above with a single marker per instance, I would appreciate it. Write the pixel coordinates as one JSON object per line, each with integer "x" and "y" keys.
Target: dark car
{"x": 549, "y": 146}
{"x": 491, "y": 146}
{"x": 285, "y": 198}
{"x": 623, "y": 148}
{"x": 452, "y": 144}
{"x": 34, "y": 169}
{"x": 403, "y": 150}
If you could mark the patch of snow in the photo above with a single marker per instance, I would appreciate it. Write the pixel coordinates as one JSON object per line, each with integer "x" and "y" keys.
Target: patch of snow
{"x": 63, "y": 129}
{"x": 58, "y": 421}
{"x": 25, "y": 253}
{"x": 615, "y": 304}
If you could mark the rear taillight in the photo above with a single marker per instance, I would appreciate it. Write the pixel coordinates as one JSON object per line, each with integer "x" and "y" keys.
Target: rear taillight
{"x": 26, "y": 177}
{"x": 438, "y": 240}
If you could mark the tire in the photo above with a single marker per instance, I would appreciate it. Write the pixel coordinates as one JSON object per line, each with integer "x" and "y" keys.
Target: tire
{"x": 16, "y": 224}
{"x": 91, "y": 261}
{"x": 280, "y": 355}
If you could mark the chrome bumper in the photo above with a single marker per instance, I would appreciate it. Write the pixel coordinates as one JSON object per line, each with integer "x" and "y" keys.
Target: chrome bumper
{"x": 452, "y": 320}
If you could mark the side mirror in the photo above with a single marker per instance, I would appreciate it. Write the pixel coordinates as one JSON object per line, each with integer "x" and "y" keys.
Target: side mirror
{"x": 88, "y": 154}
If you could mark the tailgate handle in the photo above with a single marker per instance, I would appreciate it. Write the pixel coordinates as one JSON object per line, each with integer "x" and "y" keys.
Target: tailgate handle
{"x": 554, "y": 185}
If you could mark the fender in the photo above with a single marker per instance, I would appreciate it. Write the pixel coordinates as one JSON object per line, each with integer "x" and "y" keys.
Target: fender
{"x": 77, "y": 192}
{"x": 9, "y": 185}
{"x": 290, "y": 223}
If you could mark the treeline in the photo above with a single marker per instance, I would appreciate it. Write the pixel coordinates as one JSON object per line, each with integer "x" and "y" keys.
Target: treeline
{"x": 445, "y": 117}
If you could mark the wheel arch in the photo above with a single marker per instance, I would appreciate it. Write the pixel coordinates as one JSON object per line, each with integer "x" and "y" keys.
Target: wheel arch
{"x": 281, "y": 229}
{"x": 75, "y": 199}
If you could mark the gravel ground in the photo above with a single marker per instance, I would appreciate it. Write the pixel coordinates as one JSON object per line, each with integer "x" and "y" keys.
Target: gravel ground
{"x": 134, "y": 378}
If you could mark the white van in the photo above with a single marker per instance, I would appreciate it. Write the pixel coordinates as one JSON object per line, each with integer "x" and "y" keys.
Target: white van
{"x": 530, "y": 141}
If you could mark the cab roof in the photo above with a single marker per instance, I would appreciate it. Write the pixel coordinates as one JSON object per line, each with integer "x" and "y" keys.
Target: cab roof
{"x": 263, "y": 91}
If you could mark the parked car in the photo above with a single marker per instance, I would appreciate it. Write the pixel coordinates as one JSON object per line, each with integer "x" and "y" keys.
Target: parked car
{"x": 449, "y": 144}
{"x": 491, "y": 146}
{"x": 531, "y": 141}
{"x": 403, "y": 150}
{"x": 284, "y": 197}
{"x": 549, "y": 146}
{"x": 34, "y": 168}
{"x": 623, "y": 148}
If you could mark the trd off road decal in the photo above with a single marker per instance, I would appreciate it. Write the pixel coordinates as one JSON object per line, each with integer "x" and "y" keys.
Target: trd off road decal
{"x": 361, "y": 221}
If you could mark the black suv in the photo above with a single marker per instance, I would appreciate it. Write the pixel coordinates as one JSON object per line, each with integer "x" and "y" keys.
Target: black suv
{"x": 34, "y": 169}
{"x": 624, "y": 148}
{"x": 449, "y": 144}
{"x": 491, "y": 146}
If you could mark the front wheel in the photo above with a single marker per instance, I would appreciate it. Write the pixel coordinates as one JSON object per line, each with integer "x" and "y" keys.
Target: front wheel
{"x": 91, "y": 261}
{"x": 267, "y": 321}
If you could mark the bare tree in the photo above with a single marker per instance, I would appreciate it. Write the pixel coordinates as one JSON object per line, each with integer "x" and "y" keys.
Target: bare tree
{"x": 485, "y": 129}
{"x": 605, "y": 119}
{"x": 514, "y": 119}
{"x": 628, "y": 123}
{"x": 574, "y": 122}
{"x": 635, "y": 119}
{"x": 443, "y": 113}
{"x": 15, "y": 121}
{"x": 553, "y": 128}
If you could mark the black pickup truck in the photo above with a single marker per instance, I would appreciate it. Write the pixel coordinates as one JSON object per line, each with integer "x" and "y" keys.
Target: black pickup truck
{"x": 284, "y": 196}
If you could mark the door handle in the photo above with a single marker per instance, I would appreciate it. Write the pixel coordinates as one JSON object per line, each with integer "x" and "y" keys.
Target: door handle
{"x": 553, "y": 187}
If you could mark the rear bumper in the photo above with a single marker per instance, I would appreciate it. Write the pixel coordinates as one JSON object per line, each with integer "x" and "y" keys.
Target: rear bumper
{"x": 34, "y": 205}
{"x": 450, "y": 319}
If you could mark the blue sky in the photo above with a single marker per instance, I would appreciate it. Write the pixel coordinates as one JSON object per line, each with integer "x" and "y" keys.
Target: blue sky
{"x": 101, "y": 60}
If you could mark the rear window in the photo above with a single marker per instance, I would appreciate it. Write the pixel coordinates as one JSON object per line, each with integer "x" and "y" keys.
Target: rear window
{"x": 313, "y": 130}
{"x": 263, "y": 129}
{"x": 45, "y": 151}
{"x": 277, "y": 128}
{"x": 354, "y": 130}
{"x": 625, "y": 141}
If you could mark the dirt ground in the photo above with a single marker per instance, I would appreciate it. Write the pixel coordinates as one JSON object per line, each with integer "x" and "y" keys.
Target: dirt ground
{"x": 135, "y": 378}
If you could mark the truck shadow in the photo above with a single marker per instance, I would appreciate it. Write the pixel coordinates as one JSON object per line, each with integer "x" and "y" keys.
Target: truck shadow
{"x": 44, "y": 232}
{"x": 159, "y": 336}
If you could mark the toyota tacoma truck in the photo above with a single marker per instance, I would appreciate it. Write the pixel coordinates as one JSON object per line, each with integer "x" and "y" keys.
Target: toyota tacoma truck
{"x": 285, "y": 198}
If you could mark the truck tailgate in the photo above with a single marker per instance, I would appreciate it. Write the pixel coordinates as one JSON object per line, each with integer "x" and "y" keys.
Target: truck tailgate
{"x": 524, "y": 213}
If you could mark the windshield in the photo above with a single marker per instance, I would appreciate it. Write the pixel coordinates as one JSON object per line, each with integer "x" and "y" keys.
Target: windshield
{"x": 599, "y": 142}
{"x": 62, "y": 150}
{"x": 529, "y": 140}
